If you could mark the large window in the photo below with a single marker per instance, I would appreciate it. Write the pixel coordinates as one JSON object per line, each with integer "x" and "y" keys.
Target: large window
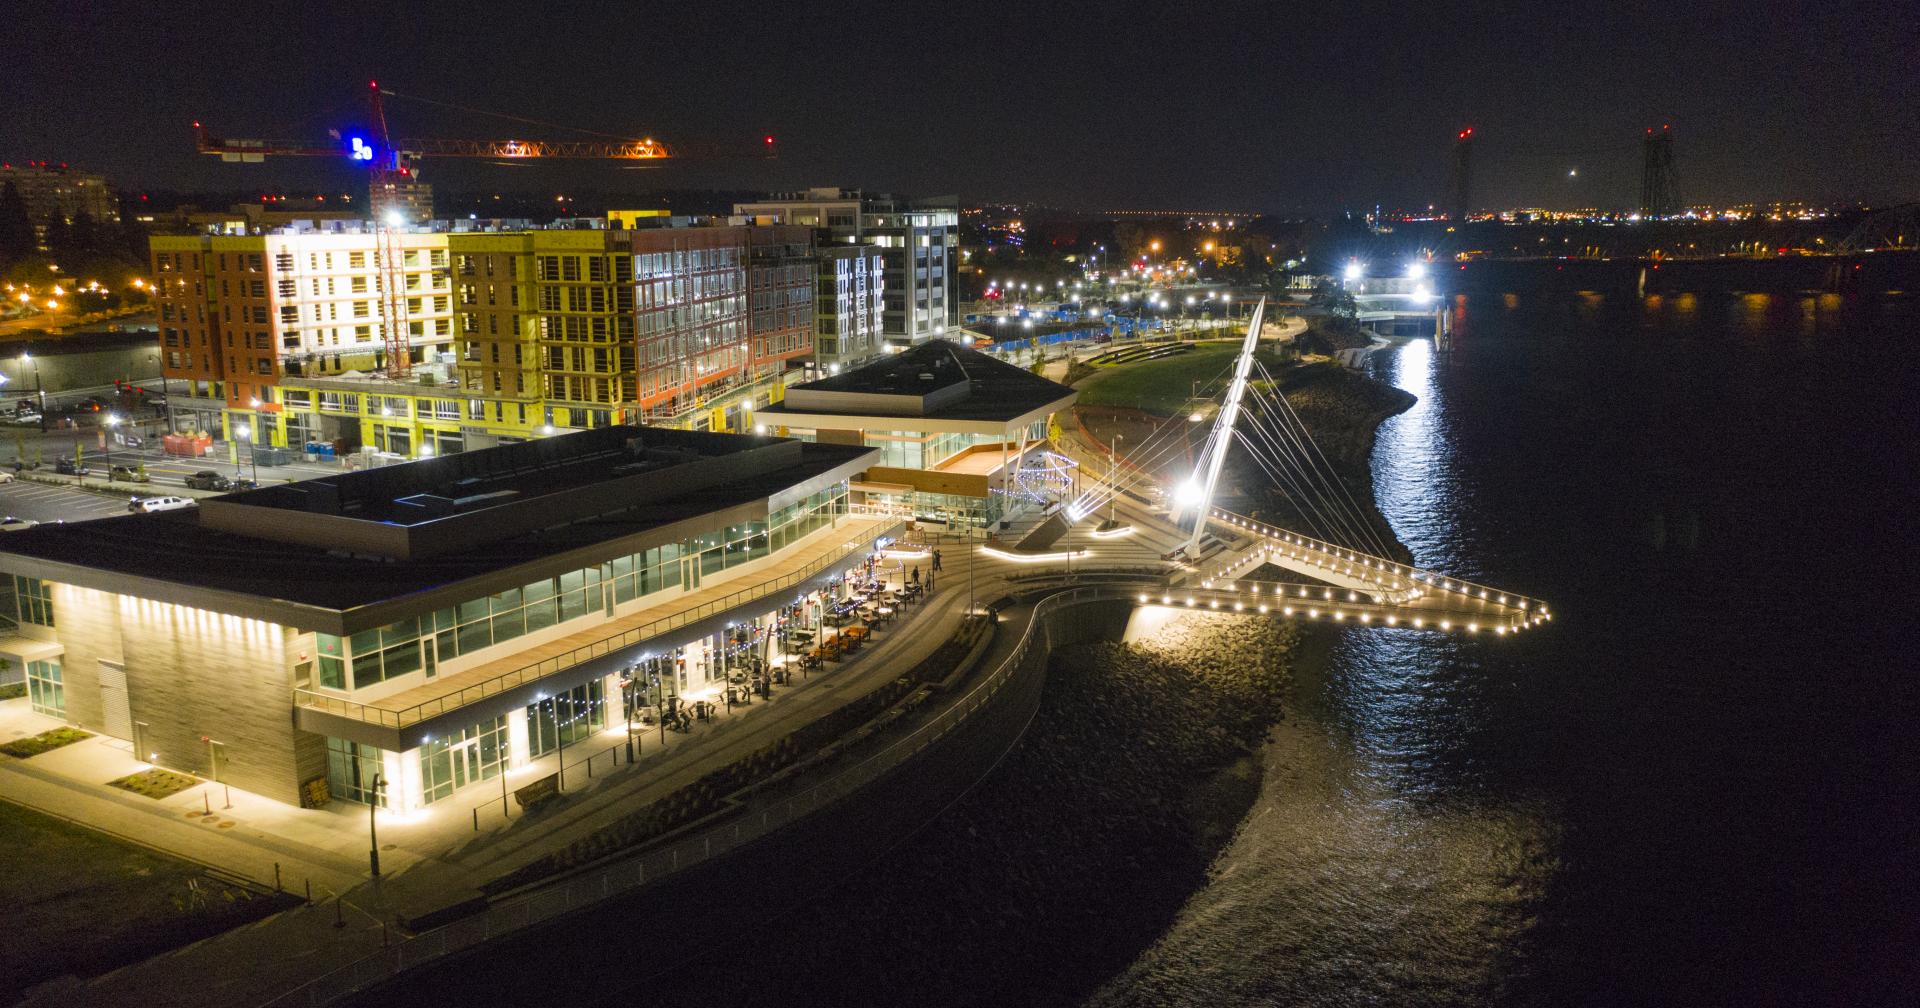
{"x": 45, "y": 691}
{"x": 645, "y": 573}
{"x": 567, "y": 719}
{"x": 473, "y": 754}
{"x": 351, "y": 768}
{"x": 415, "y": 644}
{"x": 33, "y": 599}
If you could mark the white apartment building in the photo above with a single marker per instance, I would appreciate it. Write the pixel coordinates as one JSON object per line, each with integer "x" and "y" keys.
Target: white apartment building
{"x": 919, "y": 243}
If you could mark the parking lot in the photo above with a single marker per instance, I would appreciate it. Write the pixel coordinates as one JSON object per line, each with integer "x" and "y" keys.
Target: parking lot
{"x": 42, "y": 503}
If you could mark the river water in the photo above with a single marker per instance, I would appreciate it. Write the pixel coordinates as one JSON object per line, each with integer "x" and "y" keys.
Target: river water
{"x": 1697, "y": 785}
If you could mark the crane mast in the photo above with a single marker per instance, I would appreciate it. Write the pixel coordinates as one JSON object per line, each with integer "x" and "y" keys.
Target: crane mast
{"x": 394, "y": 175}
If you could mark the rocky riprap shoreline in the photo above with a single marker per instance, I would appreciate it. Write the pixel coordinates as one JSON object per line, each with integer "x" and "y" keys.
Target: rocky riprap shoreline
{"x": 1075, "y": 854}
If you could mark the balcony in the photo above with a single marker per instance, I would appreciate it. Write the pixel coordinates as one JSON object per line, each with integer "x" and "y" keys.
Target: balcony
{"x": 452, "y": 702}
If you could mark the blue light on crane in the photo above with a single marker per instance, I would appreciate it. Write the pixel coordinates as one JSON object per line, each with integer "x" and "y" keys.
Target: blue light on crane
{"x": 362, "y": 151}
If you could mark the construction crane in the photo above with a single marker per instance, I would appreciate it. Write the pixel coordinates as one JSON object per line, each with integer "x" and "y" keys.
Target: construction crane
{"x": 393, "y": 183}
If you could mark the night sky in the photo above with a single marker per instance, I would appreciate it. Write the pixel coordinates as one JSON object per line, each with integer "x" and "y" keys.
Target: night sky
{"x": 1095, "y": 106}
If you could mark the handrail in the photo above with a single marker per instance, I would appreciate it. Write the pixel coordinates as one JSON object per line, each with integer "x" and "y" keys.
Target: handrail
{"x": 1309, "y": 607}
{"x": 627, "y": 871}
{"x": 1435, "y": 579}
{"x": 389, "y": 718}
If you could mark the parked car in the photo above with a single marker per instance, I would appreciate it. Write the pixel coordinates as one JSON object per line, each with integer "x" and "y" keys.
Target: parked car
{"x": 67, "y": 467}
{"x": 207, "y": 479}
{"x": 151, "y": 504}
{"x": 24, "y": 418}
{"x": 12, "y": 524}
{"x": 128, "y": 474}
{"x": 244, "y": 484}
{"x": 7, "y": 477}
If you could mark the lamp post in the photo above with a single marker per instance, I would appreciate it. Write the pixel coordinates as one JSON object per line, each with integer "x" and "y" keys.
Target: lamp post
{"x": 245, "y": 433}
{"x": 113, "y": 424}
{"x": 40, "y": 391}
{"x": 373, "y": 833}
{"x": 627, "y": 684}
{"x": 973, "y": 558}
{"x": 1113, "y": 478}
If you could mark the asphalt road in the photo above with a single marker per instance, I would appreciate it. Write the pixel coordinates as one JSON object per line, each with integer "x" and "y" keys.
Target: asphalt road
{"x": 40, "y": 502}
{"x": 166, "y": 470}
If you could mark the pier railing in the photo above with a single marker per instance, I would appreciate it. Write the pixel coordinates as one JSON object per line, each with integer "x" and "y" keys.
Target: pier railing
{"x": 1368, "y": 562}
{"x": 373, "y": 713}
{"x": 622, "y": 873}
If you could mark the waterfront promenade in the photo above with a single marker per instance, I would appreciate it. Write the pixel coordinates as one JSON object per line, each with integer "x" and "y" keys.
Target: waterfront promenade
{"x": 436, "y": 859}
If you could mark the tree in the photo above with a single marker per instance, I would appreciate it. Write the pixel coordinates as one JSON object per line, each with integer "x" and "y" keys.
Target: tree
{"x": 1336, "y": 299}
{"x": 59, "y": 238}
{"x": 17, "y": 240}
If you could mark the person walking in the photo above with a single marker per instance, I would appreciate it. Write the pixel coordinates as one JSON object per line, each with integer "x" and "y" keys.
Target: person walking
{"x": 936, "y": 560}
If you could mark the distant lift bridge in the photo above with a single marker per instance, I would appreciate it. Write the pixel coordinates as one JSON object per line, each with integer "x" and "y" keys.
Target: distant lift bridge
{"x": 393, "y": 177}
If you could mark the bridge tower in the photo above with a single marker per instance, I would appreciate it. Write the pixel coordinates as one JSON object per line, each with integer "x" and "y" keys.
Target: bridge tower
{"x": 1196, "y": 495}
{"x": 1659, "y": 196}
{"x": 1461, "y": 195}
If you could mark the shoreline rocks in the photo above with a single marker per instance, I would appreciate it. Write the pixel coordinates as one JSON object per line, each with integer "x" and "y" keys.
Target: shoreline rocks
{"x": 1076, "y": 854}
{"x": 1080, "y": 851}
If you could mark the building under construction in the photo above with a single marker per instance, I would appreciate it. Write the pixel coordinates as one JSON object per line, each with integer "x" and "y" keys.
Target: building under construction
{"x": 503, "y": 329}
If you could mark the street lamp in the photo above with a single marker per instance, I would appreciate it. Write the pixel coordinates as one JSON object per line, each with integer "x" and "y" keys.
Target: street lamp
{"x": 40, "y": 390}
{"x": 630, "y": 687}
{"x": 113, "y": 422}
{"x": 373, "y": 833}
{"x": 245, "y": 433}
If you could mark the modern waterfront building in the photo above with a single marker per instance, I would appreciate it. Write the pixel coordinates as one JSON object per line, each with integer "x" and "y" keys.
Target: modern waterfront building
{"x": 848, "y": 312}
{"x": 439, "y": 622}
{"x": 962, "y": 436}
{"x": 56, "y": 191}
{"x": 919, "y": 243}
{"x": 601, "y": 324}
{"x": 240, "y": 313}
{"x": 516, "y": 330}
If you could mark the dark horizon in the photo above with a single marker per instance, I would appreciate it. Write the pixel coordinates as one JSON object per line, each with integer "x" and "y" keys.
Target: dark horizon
{"x": 1235, "y": 108}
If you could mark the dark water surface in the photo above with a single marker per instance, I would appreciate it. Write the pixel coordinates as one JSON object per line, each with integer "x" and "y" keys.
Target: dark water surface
{"x": 1697, "y": 786}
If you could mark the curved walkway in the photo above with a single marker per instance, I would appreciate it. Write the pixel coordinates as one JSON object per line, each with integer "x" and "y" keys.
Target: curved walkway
{"x": 771, "y": 854}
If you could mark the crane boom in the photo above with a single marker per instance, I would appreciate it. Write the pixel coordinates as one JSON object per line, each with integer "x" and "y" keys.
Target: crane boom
{"x": 393, "y": 182}
{"x": 253, "y": 150}
{"x": 619, "y": 149}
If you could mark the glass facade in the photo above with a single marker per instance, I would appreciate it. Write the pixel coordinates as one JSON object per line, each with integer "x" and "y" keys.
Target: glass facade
{"x": 351, "y": 768}
{"x": 45, "y": 691}
{"x": 421, "y": 643}
{"x": 954, "y": 510}
{"x": 33, "y": 600}
{"x": 474, "y": 754}
{"x": 567, "y": 719}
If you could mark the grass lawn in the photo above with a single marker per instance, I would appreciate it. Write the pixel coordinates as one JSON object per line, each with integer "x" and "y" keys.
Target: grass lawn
{"x": 82, "y": 902}
{"x": 1162, "y": 386}
{"x": 155, "y": 783}
{"x": 46, "y": 741}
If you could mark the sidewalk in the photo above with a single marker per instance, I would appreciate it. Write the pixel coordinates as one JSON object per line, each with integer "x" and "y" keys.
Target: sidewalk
{"x": 430, "y": 863}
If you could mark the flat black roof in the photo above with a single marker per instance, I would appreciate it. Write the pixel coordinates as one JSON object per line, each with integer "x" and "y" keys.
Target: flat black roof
{"x": 473, "y": 482}
{"x": 997, "y": 391}
{"x": 175, "y": 548}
